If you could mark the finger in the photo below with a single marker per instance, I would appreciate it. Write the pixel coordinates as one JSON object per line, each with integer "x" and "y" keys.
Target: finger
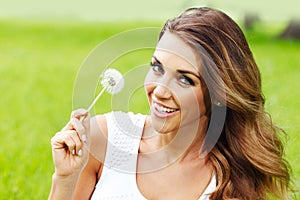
{"x": 62, "y": 140}
{"x": 82, "y": 131}
{"x": 86, "y": 135}
{"x": 86, "y": 122}
{"x": 82, "y": 134}
{"x": 74, "y": 124}
{"x": 79, "y": 113}
{"x": 78, "y": 126}
{"x": 69, "y": 125}
{"x": 73, "y": 142}
{"x": 68, "y": 140}
{"x": 78, "y": 144}
{"x": 57, "y": 142}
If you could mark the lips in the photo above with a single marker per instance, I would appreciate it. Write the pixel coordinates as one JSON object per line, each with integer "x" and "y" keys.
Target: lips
{"x": 162, "y": 111}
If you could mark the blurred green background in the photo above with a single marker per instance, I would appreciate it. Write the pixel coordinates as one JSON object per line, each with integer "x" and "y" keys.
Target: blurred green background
{"x": 43, "y": 44}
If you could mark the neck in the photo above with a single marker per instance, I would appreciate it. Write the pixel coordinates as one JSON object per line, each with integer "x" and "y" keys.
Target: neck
{"x": 159, "y": 150}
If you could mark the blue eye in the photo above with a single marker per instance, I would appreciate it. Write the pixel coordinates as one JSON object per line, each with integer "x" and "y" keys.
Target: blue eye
{"x": 186, "y": 80}
{"x": 157, "y": 68}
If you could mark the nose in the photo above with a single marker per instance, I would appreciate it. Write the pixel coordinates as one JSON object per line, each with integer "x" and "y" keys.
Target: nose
{"x": 162, "y": 92}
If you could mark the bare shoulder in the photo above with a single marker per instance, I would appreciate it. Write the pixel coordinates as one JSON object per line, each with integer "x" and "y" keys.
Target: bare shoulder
{"x": 148, "y": 122}
{"x": 98, "y": 137}
{"x": 98, "y": 125}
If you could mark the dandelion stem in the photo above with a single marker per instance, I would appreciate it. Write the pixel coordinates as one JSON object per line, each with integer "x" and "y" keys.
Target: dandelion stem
{"x": 96, "y": 99}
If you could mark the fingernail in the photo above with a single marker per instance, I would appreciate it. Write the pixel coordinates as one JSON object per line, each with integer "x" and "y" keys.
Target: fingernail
{"x": 80, "y": 152}
{"x": 73, "y": 152}
{"x": 83, "y": 137}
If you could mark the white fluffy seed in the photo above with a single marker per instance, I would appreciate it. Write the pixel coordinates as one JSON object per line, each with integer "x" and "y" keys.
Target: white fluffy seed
{"x": 112, "y": 80}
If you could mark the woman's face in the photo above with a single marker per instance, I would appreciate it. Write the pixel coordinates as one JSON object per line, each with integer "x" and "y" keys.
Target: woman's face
{"x": 173, "y": 85}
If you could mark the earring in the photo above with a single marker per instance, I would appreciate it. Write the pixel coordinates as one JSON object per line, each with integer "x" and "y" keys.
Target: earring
{"x": 218, "y": 103}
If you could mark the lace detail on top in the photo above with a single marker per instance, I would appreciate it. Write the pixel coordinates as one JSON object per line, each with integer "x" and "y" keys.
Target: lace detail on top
{"x": 118, "y": 178}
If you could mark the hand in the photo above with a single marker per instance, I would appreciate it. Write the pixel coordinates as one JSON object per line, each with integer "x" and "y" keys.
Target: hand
{"x": 70, "y": 146}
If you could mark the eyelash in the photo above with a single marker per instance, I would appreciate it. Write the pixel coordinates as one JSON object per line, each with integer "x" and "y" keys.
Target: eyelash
{"x": 186, "y": 80}
{"x": 157, "y": 68}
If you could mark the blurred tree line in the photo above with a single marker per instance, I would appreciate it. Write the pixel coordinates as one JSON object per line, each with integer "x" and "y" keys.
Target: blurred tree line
{"x": 292, "y": 30}
{"x": 252, "y": 12}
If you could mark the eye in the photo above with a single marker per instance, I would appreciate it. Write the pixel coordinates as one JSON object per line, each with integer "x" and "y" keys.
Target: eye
{"x": 156, "y": 67}
{"x": 186, "y": 80}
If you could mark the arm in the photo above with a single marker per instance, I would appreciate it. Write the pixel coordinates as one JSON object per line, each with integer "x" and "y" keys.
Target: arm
{"x": 62, "y": 187}
{"x": 92, "y": 172}
{"x": 88, "y": 179}
{"x": 75, "y": 168}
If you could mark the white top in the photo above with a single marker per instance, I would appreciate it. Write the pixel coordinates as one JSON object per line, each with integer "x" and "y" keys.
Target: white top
{"x": 118, "y": 178}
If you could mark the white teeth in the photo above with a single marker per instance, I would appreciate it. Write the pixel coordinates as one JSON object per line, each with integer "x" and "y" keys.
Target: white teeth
{"x": 163, "y": 109}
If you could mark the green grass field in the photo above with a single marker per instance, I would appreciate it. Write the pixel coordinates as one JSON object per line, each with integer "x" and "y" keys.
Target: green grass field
{"x": 38, "y": 66}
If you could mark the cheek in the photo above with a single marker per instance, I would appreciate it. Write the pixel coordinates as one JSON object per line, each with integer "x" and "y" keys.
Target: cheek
{"x": 149, "y": 84}
{"x": 192, "y": 103}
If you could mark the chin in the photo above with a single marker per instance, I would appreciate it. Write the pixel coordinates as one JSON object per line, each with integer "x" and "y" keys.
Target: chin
{"x": 163, "y": 126}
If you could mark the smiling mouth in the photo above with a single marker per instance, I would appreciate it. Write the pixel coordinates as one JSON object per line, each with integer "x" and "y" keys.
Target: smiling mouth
{"x": 163, "y": 109}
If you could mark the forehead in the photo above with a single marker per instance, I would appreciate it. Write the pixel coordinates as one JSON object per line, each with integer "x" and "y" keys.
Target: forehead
{"x": 171, "y": 44}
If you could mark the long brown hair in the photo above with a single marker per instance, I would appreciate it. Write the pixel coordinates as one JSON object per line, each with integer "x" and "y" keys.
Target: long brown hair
{"x": 248, "y": 157}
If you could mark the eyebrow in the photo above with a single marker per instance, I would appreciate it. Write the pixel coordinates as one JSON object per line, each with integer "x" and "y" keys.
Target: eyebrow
{"x": 180, "y": 70}
{"x": 154, "y": 57}
{"x": 189, "y": 72}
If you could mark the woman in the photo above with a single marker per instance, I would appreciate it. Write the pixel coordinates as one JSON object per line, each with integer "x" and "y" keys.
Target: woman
{"x": 202, "y": 65}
